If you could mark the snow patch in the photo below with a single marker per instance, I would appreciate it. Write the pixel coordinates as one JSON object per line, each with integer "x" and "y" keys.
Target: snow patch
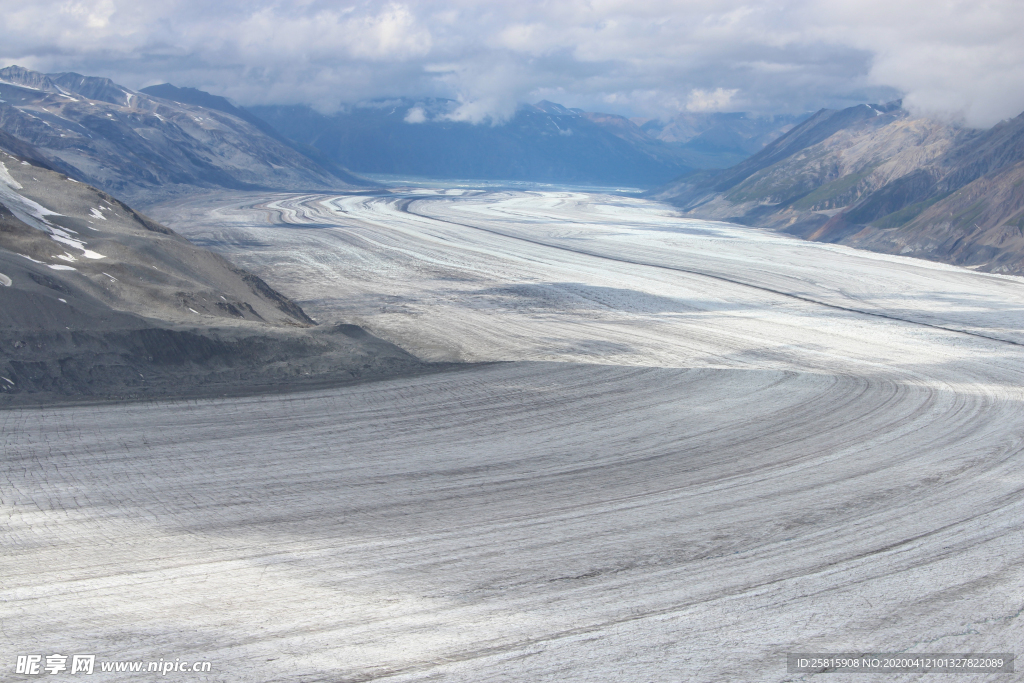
{"x": 96, "y": 213}
{"x": 24, "y": 208}
{"x": 6, "y": 178}
{"x": 57, "y": 266}
{"x": 56, "y": 236}
{"x": 4, "y": 280}
{"x": 20, "y": 85}
{"x": 35, "y": 215}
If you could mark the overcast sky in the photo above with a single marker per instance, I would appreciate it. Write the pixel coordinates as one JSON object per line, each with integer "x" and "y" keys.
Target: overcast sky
{"x": 650, "y": 58}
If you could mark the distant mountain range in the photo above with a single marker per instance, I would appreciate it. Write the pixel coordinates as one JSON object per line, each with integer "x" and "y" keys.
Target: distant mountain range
{"x": 97, "y": 300}
{"x": 879, "y": 178}
{"x": 137, "y": 144}
{"x": 871, "y": 176}
{"x": 717, "y": 139}
{"x": 148, "y": 144}
{"x": 542, "y": 142}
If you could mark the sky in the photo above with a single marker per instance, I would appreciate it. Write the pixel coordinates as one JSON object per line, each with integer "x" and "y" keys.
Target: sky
{"x": 960, "y": 60}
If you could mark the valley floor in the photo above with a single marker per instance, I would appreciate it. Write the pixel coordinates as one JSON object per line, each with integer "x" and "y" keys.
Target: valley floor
{"x": 702, "y": 447}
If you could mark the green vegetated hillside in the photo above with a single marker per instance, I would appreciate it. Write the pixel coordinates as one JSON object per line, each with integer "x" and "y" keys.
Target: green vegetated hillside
{"x": 880, "y": 178}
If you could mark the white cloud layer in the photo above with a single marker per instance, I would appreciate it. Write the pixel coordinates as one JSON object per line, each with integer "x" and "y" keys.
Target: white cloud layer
{"x": 951, "y": 58}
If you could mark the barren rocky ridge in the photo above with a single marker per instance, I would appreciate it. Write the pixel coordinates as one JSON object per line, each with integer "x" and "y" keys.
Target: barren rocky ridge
{"x": 878, "y": 178}
{"x": 136, "y": 145}
{"x": 98, "y": 300}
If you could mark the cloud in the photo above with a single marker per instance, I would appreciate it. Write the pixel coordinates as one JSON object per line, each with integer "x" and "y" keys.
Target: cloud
{"x": 92, "y": 15}
{"x": 719, "y": 99}
{"x": 654, "y": 58}
{"x": 415, "y": 115}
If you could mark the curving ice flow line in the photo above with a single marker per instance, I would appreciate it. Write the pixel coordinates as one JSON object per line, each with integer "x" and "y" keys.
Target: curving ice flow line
{"x": 405, "y": 204}
{"x": 512, "y": 521}
{"x": 680, "y": 477}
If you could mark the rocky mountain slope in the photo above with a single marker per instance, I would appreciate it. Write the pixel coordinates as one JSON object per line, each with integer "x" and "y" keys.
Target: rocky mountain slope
{"x": 543, "y": 142}
{"x": 137, "y": 145}
{"x": 878, "y": 178}
{"x": 97, "y": 300}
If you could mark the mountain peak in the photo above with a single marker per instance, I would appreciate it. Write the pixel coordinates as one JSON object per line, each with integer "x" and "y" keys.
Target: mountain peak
{"x": 67, "y": 83}
{"x": 549, "y": 107}
{"x": 26, "y": 78}
{"x": 93, "y": 88}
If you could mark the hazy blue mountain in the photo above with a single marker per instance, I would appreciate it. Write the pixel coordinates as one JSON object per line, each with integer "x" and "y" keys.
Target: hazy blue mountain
{"x": 537, "y": 145}
{"x": 542, "y": 142}
{"x": 719, "y": 139}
